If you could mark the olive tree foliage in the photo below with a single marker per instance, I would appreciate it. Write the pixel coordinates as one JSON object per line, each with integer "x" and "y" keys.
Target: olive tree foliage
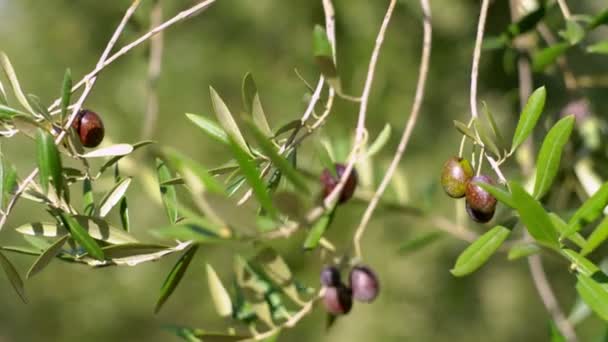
{"x": 261, "y": 194}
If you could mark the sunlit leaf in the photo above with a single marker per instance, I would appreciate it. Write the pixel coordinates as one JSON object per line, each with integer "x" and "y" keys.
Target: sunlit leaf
{"x": 534, "y": 217}
{"x": 110, "y": 151}
{"x": 219, "y": 295}
{"x": 227, "y": 121}
{"x": 480, "y": 251}
{"x": 49, "y": 161}
{"x": 589, "y": 211}
{"x": 248, "y": 92}
{"x": 259, "y": 118}
{"x": 550, "y": 155}
{"x": 210, "y": 127}
{"x": 599, "y": 235}
{"x": 175, "y": 276}
{"x": 96, "y": 228}
{"x": 6, "y": 65}
{"x": 115, "y": 159}
{"x": 80, "y": 235}
{"x": 113, "y": 196}
{"x": 47, "y": 256}
{"x": 594, "y": 291}
{"x": 13, "y": 276}
{"x": 599, "y": 48}
{"x": 529, "y": 117}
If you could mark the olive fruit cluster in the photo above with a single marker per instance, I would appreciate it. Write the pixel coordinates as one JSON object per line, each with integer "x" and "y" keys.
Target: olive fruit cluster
{"x": 338, "y": 297}
{"x": 89, "y": 127}
{"x": 458, "y": 181}
{"x": 329, "y": 182}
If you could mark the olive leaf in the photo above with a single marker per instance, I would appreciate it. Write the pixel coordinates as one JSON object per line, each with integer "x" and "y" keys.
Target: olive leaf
{"x": 47, "y": 256}
{"x": 227, "y": 121}
{"x": 529, "y": 117}
{"x": 113, "y": 197}
{"x": 66, "y": 93}
{"x": 80, "y": 235}
{"x": 49, "y": 161}
{"x": 219, "y": 295}
{"x": 13, "y": 276}
{"x": 7, "y": 67}
{"x": 168, "y": 193}
{"x": 480, "y": 251}
{"x": 175, "y": 276}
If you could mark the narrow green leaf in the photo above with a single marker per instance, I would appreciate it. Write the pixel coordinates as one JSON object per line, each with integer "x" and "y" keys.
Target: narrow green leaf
{"x": 598, "y": 20}
{"x": 9, "y": 181}
{"x": 318, "y": 229}
{"x": 526, "y": 23}
{"x": 47, "y": 256}
{"x": 419, "y": 242}
{"x": 326, "y": 159}
{"x": 594, "y": 291}
{"x": 8, "y": 112}
{"x": 194, "y": 174}
{"x": 49, "y": 161}
{"x": 380, "y": 141}
{"x": 581, "y": 264}
{"x": 547, "y": 56}
{"x": 488, "y": 143}
{"x": 13, "y": 276}
{"x": 110, "y": 151}
{"x": 294, "y": 176}
{"x": 6, "y": 65}
{"x": 80, "y": 235}
{"x": 599, "y": 235}
{"x": 253, "y": 177}
{"x": 522, "y": 250}
{"x": 3, "y": 99}
{"x": 175, "y": 276}
{"x": 123, "y": 207}
{"x": 534, "y": 217}
{"x": 573, "y": 33}
{"x": 599, "y": 48}
{"x": 168, "y": 193}
{"x": 38, "y": 107}
{"x": 96, "y": 228}
{"x": 112, "y": 161}
{"x": 259, "y": 118}
{"x": 464, "y": 130}
{"x": 495, "y": 130}
{"x": 113, "y": 197}
{"x": 589, "y": 211}
{"x": 224, "y": 117}
{"x": 501, "y": 195}
{"x": 529, "y": 117}
{"x": 219, "y": 295}
{"x": 288, "y": 127}
{"x": 88, "y": 198}
{"x": 254, "y": 288}
{"x": 480, "y": 251}
{"x": 550, "y": 155}
{"x": 278, "y": 272}
{"x": 561, "y": 226}
{"x": 210, "y": 127}
{"x": 66, "y": 93}
{"x": 248, "y": 92}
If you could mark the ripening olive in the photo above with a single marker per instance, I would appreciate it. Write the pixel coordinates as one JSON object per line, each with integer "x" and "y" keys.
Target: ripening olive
{"x": 364, "y": 283}
{"x": 455, "y": 175}
{"x": 338, "y": 300}
{"x": 477, "y": 215}
{"x": 330, "y": 276}
{"x": 89, "y": 127}
{"x": 329, "y": 182}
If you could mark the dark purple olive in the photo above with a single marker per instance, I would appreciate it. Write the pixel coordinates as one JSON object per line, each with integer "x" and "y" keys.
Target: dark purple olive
{"x": 89, "y": 127}
{"x": 330, "y": 276}
{"x": 477, "y": 215}
{"x": 364, "y": 283}
{"x": 338, "y": 300}
{"x": 455, "y": 175}
{"x": 329, "y": 182}
{"x": 479, "y": 199}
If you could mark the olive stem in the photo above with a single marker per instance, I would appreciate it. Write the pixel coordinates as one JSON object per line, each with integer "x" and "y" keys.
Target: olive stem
{"x": 485, "y": 4}
{"x": 409, "y": 128}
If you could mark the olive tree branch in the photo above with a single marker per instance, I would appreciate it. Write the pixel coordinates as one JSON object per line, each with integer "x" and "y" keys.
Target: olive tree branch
{"x": 483, "y": 14}
{"x": 411, "y": 123}
{"x": 563, "y": 6}
{"x": 181, "y": 16}
{"x": 90, "y": 82}
{"x": 154, "y": 70}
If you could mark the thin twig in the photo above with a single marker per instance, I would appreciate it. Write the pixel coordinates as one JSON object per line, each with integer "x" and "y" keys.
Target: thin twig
{"x": 181, "y": 16}
{"x": 154, "y": 69}
{"x": 411, "y": 123}
{"x": 477, "y": 55}
{"x": 547, "y": 296}
{"x": 75, "y": 109}
{"x": 360, "y": 129}
{"x": 563, "y": 6}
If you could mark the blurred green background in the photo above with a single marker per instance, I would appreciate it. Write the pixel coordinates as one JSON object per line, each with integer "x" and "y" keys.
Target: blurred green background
{"x": 420, "y": 299}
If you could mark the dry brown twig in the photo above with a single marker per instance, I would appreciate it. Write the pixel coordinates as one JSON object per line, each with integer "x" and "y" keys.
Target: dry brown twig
{"x": 411, "y": 123}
